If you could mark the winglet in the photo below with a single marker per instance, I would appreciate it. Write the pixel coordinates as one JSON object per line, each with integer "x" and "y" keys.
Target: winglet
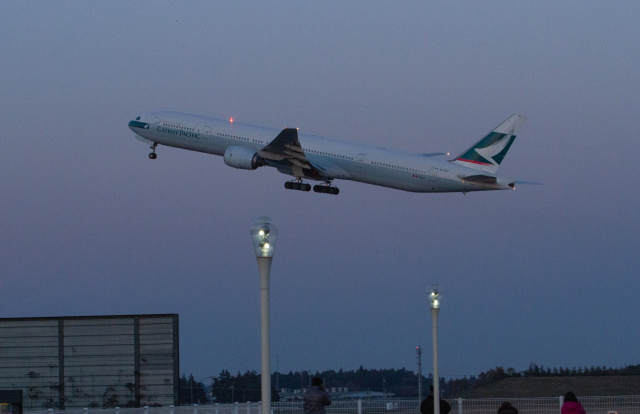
{"x": 488, "y": 153}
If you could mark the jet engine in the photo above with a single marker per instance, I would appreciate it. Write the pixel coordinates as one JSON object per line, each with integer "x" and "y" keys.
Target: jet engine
{"x": 243, "y": 158}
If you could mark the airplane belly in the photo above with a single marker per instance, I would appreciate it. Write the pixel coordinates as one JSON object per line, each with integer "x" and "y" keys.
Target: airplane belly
{"x": 143, "y": 139}
{"x": 400, "y": 180}
{"x": 334, "y": 170}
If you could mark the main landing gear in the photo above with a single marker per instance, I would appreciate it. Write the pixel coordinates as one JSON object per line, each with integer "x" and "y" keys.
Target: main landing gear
{"x": 297, "y": 185}
{"x": 300, "y": 186}
{"x": 326, "y": 189}
{"x": 153, "y": 154}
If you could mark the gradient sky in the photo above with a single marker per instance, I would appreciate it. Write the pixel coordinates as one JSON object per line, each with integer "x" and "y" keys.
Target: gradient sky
{"x": 545, "y": 274}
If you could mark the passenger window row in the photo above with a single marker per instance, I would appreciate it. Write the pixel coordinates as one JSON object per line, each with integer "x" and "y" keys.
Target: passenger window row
{"x": 382, "y": 164}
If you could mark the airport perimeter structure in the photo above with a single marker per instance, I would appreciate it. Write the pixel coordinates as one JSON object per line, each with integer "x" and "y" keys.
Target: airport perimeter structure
{"x": 91, "y": 361}
{"x": 543, "y": 405}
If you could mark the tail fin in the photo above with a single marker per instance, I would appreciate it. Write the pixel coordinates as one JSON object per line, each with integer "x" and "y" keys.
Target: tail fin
{"x": 488, "y": 153}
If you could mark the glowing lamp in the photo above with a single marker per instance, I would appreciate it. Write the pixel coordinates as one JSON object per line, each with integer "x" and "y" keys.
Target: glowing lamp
{"x": 264, "y": 234}
{"x": 435, "y": 296}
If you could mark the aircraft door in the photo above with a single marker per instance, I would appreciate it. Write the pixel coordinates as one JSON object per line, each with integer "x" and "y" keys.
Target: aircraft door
{"x": 360, "y": 169}
{"x": 204, "y": 137}
{"x": 433, "y": 178}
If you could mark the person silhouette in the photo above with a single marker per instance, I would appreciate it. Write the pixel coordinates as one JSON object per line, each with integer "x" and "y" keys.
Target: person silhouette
{"x": 316, "y": 398}
{"x": 426, "y": 406}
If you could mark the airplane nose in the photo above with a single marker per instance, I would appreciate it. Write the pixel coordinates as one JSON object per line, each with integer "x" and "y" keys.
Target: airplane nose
{"x": 136, "y": 124}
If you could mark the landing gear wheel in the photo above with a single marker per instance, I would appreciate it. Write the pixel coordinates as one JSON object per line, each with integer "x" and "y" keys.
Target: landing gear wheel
{"x": 297, "y": 185}
{"x": 153, "y": 155}
{"x": 325, "y": 189}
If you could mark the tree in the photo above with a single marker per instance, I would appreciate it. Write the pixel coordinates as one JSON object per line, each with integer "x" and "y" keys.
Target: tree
{"x": 241, "y": 388}
{"x": 191, "y": 391}
{"x": 222, "y": 388}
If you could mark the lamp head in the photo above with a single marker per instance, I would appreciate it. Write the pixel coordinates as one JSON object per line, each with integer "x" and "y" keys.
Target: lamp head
{"x": 264, "y": 234}
{"x": 435, "y": 296}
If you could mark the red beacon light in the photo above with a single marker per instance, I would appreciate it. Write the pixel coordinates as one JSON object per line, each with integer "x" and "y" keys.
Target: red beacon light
{"x": 231, "y": 120}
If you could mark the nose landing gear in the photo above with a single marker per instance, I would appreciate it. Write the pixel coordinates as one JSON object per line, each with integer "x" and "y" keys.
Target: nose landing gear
{"x": 153, "y": 154}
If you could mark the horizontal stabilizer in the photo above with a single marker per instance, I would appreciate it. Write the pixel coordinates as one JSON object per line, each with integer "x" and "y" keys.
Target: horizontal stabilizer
{"x": 434, "y": 154}
{"x": 529, "y": 183}
{"x": 484, "y": 179}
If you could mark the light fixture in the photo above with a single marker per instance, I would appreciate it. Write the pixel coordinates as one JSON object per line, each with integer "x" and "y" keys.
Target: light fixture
{"x": 264, "y": 234}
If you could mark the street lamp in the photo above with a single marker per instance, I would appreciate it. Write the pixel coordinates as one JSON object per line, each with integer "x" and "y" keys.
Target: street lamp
{"x": 435, "y": 297}
{"x": 264, "y": 234}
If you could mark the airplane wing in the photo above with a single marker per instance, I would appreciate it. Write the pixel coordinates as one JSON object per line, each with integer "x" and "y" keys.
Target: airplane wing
{"x": 285, "y": 152}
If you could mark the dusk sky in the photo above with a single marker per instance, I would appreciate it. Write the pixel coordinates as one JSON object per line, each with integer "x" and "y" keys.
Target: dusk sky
{"x": 546, "y": 273}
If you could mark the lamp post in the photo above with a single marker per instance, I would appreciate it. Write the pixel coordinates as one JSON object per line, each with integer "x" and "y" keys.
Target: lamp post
{"x": 435, "y": 296}
{"x": 264, "y": 234}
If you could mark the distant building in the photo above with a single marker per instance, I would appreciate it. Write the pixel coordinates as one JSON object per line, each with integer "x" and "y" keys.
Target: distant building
{"x": 93, "y": 361}
{"x": 336, "y": 394}
{"x": 11, "y": 402}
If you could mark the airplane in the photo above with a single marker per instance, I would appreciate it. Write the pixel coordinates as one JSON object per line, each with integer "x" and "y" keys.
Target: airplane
{"x": 321, "y": 159}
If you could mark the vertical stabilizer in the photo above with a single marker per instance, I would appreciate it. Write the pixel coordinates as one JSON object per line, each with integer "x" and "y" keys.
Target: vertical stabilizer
{"x": 487, "y": 154}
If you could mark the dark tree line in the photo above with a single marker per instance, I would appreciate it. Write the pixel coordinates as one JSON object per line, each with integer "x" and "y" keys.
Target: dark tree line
{"x": 241, "y": 388}
{"x": 539, "y": 371}
{"x": 246, "y": 387}
{"x": 399, "y": 382}
{"x": 455, "y": 387}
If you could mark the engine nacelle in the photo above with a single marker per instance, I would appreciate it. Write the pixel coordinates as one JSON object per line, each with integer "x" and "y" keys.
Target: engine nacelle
{"x": 243, "y": 158}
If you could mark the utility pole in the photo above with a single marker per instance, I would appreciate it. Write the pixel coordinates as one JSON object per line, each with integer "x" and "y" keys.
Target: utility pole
{"x": 233, "y": 391}
{"x": 191, "y": 380}
{"x": 419, "y": 354}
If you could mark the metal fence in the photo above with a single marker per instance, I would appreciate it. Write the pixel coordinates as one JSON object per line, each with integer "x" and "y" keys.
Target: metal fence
{"x": 592, "y": 405}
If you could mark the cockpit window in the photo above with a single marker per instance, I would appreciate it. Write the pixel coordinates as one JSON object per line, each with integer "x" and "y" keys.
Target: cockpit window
{"x": 138, "y": 118}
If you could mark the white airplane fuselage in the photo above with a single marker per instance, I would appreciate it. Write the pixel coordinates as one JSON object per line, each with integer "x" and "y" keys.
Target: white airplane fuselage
{"x": 323, "y": 159}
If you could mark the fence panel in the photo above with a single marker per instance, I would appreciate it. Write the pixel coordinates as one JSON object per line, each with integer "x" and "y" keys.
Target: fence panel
{"x": 602, "y": 405}
{"x": 592, "y": 405}
{"x": 491, "y": 405}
